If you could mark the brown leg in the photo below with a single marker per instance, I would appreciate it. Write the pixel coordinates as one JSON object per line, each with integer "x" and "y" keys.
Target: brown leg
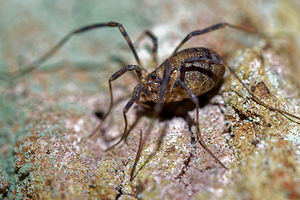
{"x": 154, "y": 41}
{"x": 137, "y": 157}
{"x": 209, "y": 73}
{"x": 255, "y": 98}
{"x": 210, "y": 29}
{"x": 48, "y": 54}
{"x": 112, "y": 78}
{"x": 129, "y": 104}
{"x": 141, "y": 144}
{"x": 195, "y": 100}
{"x": 163, "y": 88}
{"x": 158, "y": 105}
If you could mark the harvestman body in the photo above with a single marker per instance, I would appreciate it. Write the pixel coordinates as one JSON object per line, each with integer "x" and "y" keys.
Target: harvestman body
{"x": 186, "y": 74}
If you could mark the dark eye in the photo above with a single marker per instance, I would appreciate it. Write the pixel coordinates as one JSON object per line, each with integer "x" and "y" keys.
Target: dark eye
{"x": 153, "y": 76}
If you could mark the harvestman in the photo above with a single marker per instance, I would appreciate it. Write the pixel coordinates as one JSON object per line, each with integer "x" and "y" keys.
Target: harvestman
{"x": 185, "y": 74}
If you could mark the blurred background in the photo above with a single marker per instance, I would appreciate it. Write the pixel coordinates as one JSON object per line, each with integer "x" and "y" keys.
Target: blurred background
{"x": 30, "y": 28}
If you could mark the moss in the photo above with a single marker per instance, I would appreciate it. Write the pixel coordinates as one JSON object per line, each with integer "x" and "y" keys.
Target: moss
{"x": 4, "y": 183}
{"x": 264, "y": 156}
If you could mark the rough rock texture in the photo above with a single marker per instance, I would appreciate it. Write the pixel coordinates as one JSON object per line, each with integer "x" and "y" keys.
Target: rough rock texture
{"x": 45, "y": 115}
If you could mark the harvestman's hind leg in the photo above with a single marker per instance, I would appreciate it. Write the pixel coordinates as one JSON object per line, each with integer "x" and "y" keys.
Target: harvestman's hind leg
{"x": 48, "y": 54}
{"x": 195, "y": 100}
{"x": 154, "y": 41}
{"x": 210, "y": 29}
{"x": 112, "y": 78}
{"x": 164, "y": 87}
{"x": 255, "y": 98}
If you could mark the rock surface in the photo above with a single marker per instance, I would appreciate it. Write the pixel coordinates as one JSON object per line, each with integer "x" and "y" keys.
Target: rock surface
{"x": 46, "y": 114}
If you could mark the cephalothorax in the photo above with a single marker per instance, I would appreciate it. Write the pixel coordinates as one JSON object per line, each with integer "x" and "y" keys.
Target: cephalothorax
{"x": 186, "y": 74}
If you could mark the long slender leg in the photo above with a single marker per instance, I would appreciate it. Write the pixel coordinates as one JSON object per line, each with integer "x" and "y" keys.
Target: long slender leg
{"x": 190, "y": 122}
{"x": 152, "y": 154}
{"x": 162, "y": 92}
{"x": 136, "y": 121}
{"x": 154, "y": 41}
{"x": 255, "y": 98}
{"x": 164, "y": 87}
{"x": 48, "y": 54}
{"x": 195, "y": 100}
{"x": 138, "y": 155}
{"x": 209, "y": 73}
{"x": 112, "y": 78}
{"x": 129, "y": 104}
{"x": 210, "y": 29}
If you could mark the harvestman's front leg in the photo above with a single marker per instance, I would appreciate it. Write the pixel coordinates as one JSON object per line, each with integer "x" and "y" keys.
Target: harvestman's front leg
{"x": 112, "y": 78}
{"x": 129, "y": 104}
{"x": 48, "y": 54}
